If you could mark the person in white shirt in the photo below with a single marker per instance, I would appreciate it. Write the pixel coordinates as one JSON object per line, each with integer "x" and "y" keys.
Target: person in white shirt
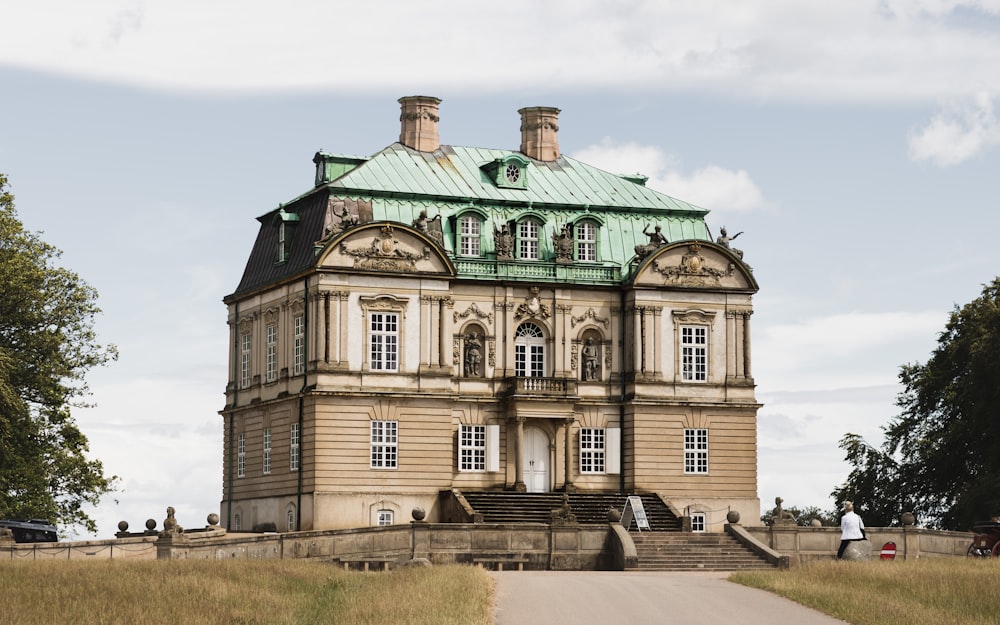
{"x": 851, "y": 528}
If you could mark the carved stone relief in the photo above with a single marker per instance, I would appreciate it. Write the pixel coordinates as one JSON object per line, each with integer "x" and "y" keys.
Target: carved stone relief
{"x": 385, "y": 254}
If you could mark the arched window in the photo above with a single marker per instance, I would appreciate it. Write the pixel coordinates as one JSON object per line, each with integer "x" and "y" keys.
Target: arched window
{"x": 529, "y": 351}
{"x": 527, "y": 239}
{"x": 290, "y": 518}
{"x": 586, "y": 241}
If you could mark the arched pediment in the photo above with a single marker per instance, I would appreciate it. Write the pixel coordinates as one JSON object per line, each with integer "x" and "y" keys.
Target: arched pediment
{"x": 385, "y": 247}
{"x": 695, "y": 265}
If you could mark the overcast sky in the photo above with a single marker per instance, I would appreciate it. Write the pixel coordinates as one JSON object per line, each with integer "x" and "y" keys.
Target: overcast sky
{"x": 854, "y": 143}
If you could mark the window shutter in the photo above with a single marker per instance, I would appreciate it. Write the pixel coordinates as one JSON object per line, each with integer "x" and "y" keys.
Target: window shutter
{"x": 492, "y": 448}
{"x": 613, "y": 451}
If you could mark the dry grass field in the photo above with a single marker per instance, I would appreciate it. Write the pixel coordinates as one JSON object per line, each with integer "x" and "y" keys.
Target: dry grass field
{"x": 239, "y": 592}
{"x": 936, "y": 591}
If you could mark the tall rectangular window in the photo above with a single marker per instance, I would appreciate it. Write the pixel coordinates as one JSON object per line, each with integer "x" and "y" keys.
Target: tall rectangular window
{"x": 383, "y": 337}
{"x": 586, "y": 241}
{"x": 527, "y": 240}
{"x": 471, "y": 447}
{"x": 695, "y": 450}
{"x": 298, "y": 345}
{"x": 241, "y": 454}
{"x": 469, "y": 228}
{"x": 245, "y": 360}
{"x": 694, "y": 353}
{"x": 697, "y": 521}
{"x": 293, "y": 447}
{"x": 384, "y": 444}
{"x": 591, "y": 450}
{"x": 271, "y": 353}
{"x": 266, "y": 457}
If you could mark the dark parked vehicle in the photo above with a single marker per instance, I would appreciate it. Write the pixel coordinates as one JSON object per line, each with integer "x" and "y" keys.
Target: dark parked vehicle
{"x": 986, "y": 541}
{"x": 31, "y": 530}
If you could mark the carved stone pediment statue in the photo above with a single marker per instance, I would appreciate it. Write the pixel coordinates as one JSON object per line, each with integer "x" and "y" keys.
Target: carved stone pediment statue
{"x": 532, "y": 306}
{"x": 656, "y": 239}
{"x": 503, "y": 242}
{"x": 693, "y": 269}
{"x": 384, "y": 253}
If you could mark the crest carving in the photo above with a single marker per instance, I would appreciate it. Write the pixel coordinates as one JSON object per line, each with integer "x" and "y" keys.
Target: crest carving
{"x": 693, "y": 270}
{"x": 532, "y": 307}
{"x": 384, "y": 254}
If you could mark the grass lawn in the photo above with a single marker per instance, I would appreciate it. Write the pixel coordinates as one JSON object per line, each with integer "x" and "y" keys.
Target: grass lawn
{"x": 930, "y": 591}
{"x": 239, "y": 592}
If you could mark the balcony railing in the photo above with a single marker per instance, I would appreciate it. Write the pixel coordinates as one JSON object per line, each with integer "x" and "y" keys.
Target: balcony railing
{"x": 540, "y": 387}
{"x": 488, "y": 269}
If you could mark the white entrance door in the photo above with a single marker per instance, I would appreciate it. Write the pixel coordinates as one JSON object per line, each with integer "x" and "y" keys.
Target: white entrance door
{"x": 536, "y": 460}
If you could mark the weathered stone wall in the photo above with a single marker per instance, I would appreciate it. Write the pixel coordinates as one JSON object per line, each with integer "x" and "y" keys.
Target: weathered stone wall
{"x": 804, "y": 544}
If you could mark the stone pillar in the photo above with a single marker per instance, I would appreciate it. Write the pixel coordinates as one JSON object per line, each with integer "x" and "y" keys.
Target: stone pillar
{"x": 519, "y": 455}
{"x": 342, "y": 323}
{"x": 569, "y": 455}
{"x": 732, "y": 346}
{"x": 638, "y": 365}
{"x": 746, "y": 344}
{"x": 657, "y": 342}
{"x": 445, "y": 354}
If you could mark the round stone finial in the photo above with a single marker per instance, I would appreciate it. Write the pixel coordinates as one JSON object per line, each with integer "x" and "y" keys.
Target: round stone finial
{"x": 122, "y": 526}
{"x": 909, "y": 519}
{"x": 733, "y": 517}
{"x": 816, "y": 523}
{"x": 418, "y": 513}
{"x": 614, "y": 515}
{"x": 212, "y": 518}
{"x": 151, "y": 524}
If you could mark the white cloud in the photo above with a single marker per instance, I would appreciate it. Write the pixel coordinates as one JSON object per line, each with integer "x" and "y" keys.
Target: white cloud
{"x": 854, "y": 49}
{"x": 843, "y": 350}
{"x": 959, "y": 132}
{"x": 723, "y": 191}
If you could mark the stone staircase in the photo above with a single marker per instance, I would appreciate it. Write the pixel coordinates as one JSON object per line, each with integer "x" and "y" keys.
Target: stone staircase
{"x": 673, "y": 551}
{"x": 589, "y": 508}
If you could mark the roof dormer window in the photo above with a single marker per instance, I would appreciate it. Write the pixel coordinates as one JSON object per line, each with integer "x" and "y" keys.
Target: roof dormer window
{"x": 509, "y": 171}
{"x": 285, "y": 223}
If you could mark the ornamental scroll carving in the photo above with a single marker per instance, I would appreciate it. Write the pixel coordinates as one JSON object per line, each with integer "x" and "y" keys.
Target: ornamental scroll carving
{"x": 474, "y": 310}
{"x": 590, "y": 314}
{"x": 693, "y": 270}
{"x": 384, "y": 254}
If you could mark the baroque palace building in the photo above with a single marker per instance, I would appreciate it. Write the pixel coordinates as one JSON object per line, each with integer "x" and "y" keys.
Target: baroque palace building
{"x": 437, "y": 317}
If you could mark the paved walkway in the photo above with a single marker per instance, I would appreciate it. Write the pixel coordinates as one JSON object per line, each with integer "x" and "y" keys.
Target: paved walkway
{"x": 605, "y": 597}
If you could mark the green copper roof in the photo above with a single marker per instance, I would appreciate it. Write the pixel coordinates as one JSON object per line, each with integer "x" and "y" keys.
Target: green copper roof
{"x": 457, "y": 172}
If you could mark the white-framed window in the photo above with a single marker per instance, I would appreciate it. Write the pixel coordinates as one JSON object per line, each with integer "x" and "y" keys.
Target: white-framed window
{"x": 293, "y": 447}
{"x": 529, "y": 351}
{"x": 694, "y": 353}
{"x": 592, "y": 450}
{"x": 282, "y": 242}
{"x": 271, "y": 352}
{"x": 586, "y": 241}
{"x": 245, "y": 343}
{"x": 695, "y": 450}
{"x": 290, "y": 518}
{"x": 527, "y": 240}
{"x": 241, "y": 454}
{"x": 237, "y": 522}
{"x": 384, "y": 517}
{"x": 384, "y": 444}
{"x": 383, "y": 341}
{"x": 471, "y": 447}
{"x": 266, "y": 456}
{"x": 697, "y": 521}
{"x": 298, "y": 345}
{"x": 469, "y": 235}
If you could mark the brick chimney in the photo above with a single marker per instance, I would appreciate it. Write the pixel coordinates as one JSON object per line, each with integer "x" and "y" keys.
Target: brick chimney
{"x": 539, "y": 125}
{"x": 419, "y": 123}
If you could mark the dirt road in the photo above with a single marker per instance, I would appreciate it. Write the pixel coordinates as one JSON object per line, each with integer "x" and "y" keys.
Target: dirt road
{"x": 613, "y": 598}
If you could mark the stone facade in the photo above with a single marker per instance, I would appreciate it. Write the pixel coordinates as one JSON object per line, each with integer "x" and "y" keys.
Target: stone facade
{"x": 435, "y": 317}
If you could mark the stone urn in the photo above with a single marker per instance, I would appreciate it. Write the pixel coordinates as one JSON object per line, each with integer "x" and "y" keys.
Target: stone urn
{"x": 908, "y": 519}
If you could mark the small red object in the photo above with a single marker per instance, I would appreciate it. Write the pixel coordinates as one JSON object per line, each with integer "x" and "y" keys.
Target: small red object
{"x": 888, "y": 551}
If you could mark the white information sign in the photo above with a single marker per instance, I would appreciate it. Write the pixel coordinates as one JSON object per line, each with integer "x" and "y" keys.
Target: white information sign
{"x": 634, "y": 509}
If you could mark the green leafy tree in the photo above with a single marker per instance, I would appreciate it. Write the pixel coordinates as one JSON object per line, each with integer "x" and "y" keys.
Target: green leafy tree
{"x": 47, "y": 344}
{"x": 941, "y": 455}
